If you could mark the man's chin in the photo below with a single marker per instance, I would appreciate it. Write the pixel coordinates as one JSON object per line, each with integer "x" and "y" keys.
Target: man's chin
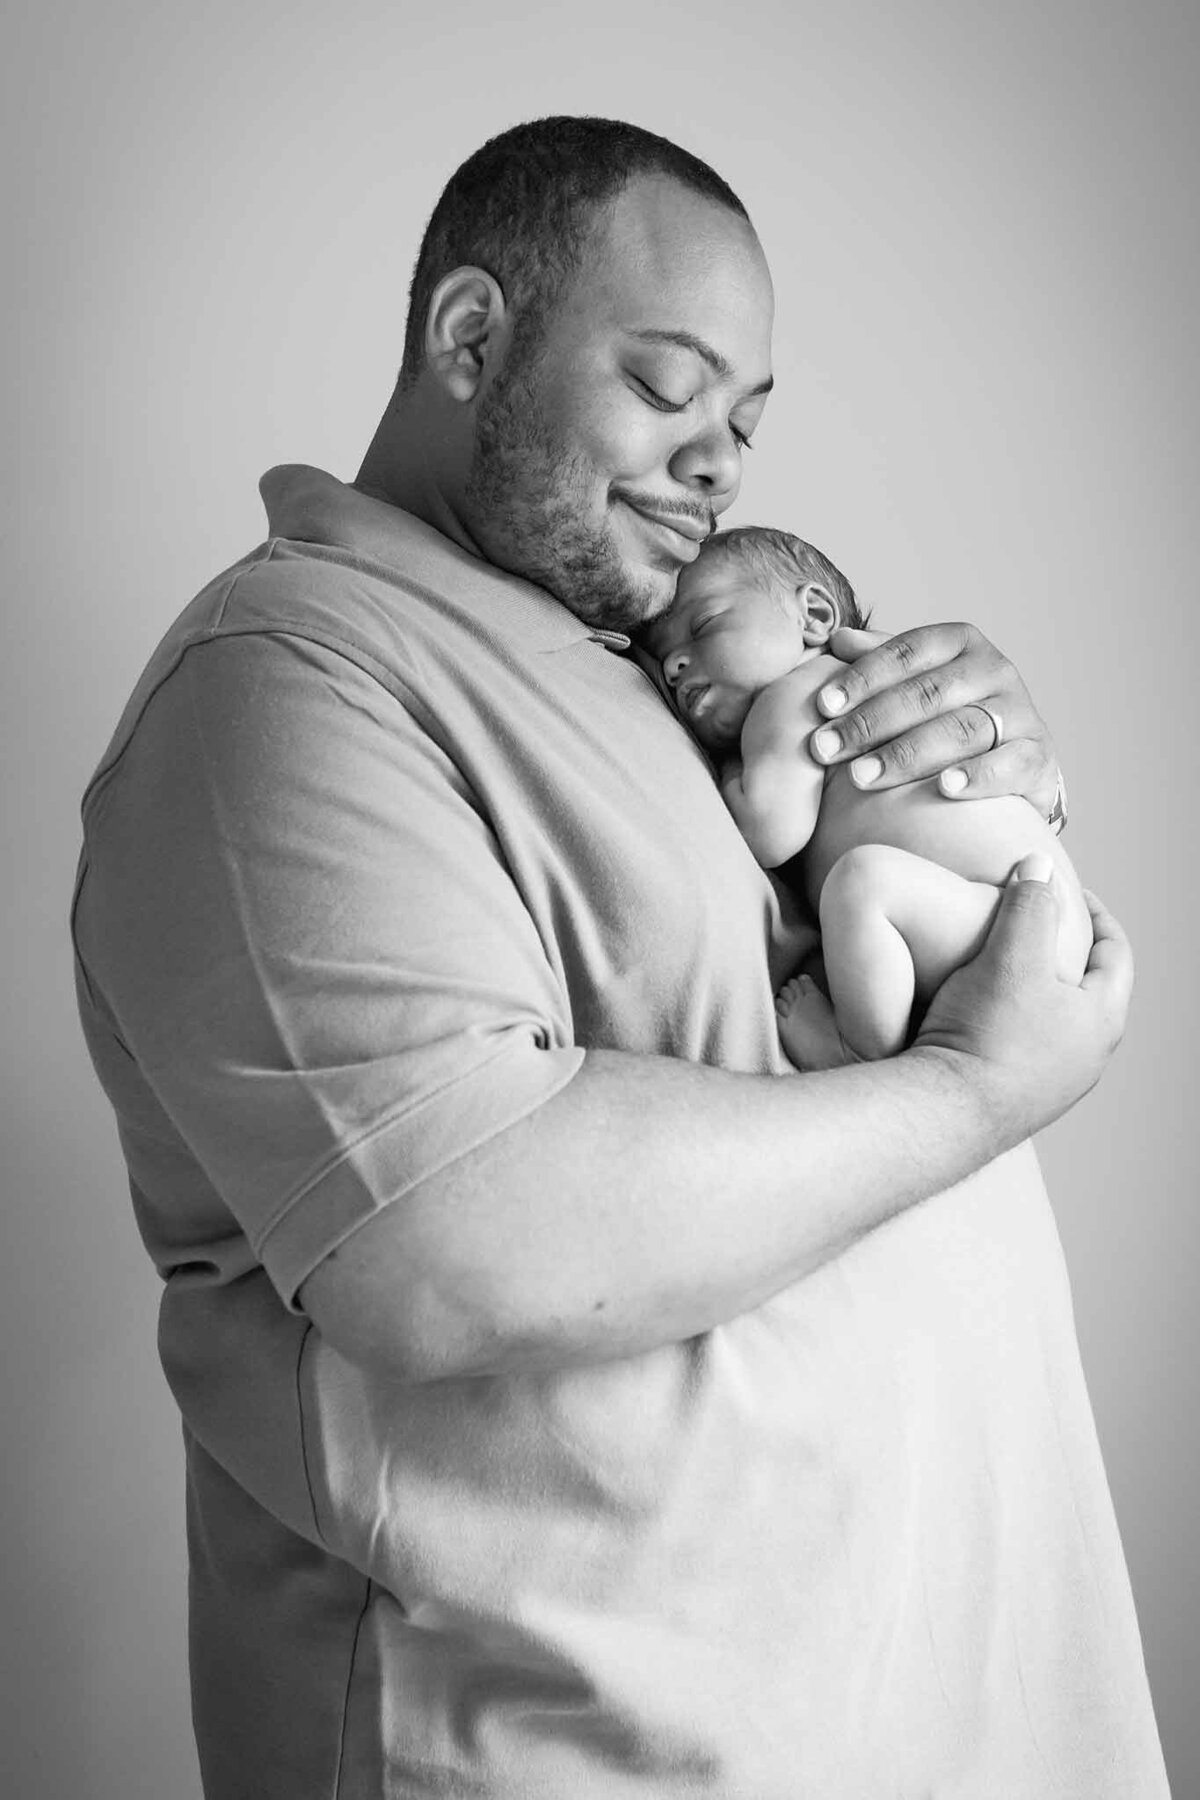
{"x": 649, "y": 589}
{"x": 621, "y": 600}
{"x": 662, "y": 602}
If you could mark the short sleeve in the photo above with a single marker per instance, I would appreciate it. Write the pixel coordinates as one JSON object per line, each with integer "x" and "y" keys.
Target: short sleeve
{"x": 307, "y": 938}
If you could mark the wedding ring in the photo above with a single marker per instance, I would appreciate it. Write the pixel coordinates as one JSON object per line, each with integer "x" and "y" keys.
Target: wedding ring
{"x": 1058, "y": 812}
{"x": 996, "y": 721}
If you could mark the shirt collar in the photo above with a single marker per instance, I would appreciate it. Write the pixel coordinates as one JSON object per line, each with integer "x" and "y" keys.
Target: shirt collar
{"x": 306, "y": 505}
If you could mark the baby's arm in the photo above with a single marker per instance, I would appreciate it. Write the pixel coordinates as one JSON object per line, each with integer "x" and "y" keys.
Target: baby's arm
{"x": 774, "y": 788}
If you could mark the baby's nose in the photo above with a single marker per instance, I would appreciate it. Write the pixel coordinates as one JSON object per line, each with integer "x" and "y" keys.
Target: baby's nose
{"x": 674, "y": 663}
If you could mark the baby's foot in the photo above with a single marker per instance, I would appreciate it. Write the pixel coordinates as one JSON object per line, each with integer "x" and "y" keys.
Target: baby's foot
{"x": 807, "y": 1028}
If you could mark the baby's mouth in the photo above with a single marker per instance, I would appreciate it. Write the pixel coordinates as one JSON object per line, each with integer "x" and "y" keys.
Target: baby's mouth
{"x": 693, "y": 698}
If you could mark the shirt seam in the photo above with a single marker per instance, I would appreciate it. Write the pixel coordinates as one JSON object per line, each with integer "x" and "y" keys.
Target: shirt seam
{"x": 352, "y": 652}
{"x": 358, "y": 1625}
{"x": 567, "y": 634}
{"x": 300, "y": 1420}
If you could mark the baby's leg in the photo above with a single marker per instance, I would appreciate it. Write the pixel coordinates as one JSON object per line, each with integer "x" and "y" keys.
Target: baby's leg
{"x": 893, "y": 926}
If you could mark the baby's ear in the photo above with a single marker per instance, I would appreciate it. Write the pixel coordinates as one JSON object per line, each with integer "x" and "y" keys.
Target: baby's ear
{"x": 819, "y": 611}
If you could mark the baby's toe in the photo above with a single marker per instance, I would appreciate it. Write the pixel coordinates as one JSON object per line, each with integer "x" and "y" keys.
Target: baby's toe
{"x": 792, "y": 992}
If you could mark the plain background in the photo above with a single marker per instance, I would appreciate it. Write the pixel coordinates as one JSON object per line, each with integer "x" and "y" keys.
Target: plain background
{"x": 982, "y": 224}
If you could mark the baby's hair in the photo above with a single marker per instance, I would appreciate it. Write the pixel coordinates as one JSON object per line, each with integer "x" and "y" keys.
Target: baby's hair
{"x": 776, "y": 557}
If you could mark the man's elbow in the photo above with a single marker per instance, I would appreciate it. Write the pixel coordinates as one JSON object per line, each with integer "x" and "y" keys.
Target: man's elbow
{"x": 773, "y": 841}
{"x": 772, "y": 825}
{"x": 407, "y": 1328}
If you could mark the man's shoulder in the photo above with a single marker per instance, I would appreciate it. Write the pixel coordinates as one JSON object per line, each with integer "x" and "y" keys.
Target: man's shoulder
{"x": 278, "y": 591}
{"x": 321, "y": 592}
{"x": 310, "y": 590}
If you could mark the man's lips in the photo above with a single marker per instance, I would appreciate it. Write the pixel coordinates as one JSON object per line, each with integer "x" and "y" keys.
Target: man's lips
{"x": 683, "y": 532}
{"x": 696, "y": 529}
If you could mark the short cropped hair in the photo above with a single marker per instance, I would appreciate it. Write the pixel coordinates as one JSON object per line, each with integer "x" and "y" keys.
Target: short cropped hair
{"x": 779, "y": 558}
{"x": 521, "y": 208}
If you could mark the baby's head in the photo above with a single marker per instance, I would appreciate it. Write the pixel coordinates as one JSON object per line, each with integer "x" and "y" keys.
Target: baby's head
{"x": 753, "y": 605}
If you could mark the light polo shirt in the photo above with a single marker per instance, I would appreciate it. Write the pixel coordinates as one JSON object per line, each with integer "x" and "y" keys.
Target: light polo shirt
{"x": 380, "y": 849}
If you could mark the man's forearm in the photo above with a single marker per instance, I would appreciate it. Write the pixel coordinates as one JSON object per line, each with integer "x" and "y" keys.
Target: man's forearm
{"x": 649, "y": 1200}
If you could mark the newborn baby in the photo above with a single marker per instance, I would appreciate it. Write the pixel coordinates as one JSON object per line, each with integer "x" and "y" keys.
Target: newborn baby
{"x": 904, "y": 882}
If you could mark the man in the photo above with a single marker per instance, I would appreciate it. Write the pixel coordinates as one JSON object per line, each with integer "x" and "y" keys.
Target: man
{"x": 575, "y": 1403}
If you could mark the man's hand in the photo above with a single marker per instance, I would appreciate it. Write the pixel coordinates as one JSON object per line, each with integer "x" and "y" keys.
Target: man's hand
{"x": 1035, "y": 1044}
{"x": 913, "y": 705}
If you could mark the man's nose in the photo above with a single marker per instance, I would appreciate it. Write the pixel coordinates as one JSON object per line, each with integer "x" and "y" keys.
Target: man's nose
{"x": 674, "y": 663}
{"x": 710, "y": 462}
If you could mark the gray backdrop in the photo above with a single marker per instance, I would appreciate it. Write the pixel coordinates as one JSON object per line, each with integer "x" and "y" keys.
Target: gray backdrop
{"x": 982, "y": 223}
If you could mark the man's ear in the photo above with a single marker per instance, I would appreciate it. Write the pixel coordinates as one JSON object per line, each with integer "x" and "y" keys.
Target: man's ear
{"x": 819, "y": 610}
{"x": 466, "y": 327}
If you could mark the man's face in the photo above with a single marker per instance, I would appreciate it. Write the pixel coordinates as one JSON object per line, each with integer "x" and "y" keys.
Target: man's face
{"x": 724, "y": 640}
{"x": 603, "y": 457}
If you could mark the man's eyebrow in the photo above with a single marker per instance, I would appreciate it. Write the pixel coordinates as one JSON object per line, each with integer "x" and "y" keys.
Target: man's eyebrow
{"x": 687, "y": 340}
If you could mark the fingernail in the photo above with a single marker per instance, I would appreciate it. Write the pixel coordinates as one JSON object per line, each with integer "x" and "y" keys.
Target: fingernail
{"x": 952, "y": 781}
{"x": 1037, "y": 867}
{"x": 826, "y": 743}
{"x": 832, "y": 699}
{"x": 866, "y": 770}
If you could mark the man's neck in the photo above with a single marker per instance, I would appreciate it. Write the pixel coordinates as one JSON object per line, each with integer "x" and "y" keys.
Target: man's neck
{"x": 416, "y": 462}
